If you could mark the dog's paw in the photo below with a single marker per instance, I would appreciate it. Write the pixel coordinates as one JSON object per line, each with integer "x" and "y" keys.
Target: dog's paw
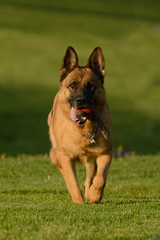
{"x": 96, "y": 190}
{"x": 95, "y": 194}
{"x": 79, "y": 200}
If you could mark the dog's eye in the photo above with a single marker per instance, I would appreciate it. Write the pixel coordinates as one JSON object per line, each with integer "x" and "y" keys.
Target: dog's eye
{"x": 90, "y": 86}
{"x": 73, "y": 85}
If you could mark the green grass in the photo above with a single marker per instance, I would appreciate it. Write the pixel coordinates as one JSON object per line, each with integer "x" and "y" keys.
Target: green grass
{"x": 34, "y": 202}
{"x": 33, "y": 39}
{"x": 34, "y": 35}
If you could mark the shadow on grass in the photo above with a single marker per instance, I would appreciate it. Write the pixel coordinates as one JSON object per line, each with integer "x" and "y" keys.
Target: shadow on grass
{"x": 23, "y": 121}
{"x": 62, "y": 7}
{"x": 132, "y": 128}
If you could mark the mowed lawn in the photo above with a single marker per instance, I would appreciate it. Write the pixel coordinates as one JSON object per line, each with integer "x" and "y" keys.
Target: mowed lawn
{"x": 34, "y": 202}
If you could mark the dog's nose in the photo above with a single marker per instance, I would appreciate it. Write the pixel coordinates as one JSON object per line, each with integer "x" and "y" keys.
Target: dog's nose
{"x": 80, "y": 100}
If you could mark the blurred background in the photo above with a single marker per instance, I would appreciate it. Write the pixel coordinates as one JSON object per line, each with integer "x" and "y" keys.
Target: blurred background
{"x": 33, "y": 38}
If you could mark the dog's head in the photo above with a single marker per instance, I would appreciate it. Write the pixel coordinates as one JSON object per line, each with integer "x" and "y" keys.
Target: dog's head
{"x": 83, "y": 86}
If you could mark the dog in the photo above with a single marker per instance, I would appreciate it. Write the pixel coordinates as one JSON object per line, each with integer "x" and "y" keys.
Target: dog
{"x": 80, "y": 125}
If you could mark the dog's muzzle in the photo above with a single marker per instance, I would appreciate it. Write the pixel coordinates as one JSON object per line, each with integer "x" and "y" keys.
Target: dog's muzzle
{"x": 80, "y": 115}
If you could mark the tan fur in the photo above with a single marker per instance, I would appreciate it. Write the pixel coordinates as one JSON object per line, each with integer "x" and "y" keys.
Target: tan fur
{"x": 70, "y": 142}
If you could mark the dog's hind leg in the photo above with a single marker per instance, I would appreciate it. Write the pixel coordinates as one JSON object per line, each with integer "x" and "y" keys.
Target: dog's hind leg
{"x": 90, "y": 172}
{"x": 55, "y": 160}
{"x": 97, "y": 187}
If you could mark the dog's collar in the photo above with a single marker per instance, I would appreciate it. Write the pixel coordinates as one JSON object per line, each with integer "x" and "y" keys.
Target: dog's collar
{"x": 95, "y": 134}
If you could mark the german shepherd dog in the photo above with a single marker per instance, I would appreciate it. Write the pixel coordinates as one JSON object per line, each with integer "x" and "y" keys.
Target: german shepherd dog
{"x": 80, "y": 126}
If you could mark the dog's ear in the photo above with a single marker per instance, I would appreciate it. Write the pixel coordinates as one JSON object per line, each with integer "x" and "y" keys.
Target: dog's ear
{"x": 97, "y": 63}
{"x": 70, "y": 61}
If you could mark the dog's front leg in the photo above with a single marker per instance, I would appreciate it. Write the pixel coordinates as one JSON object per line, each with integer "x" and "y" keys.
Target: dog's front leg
{"x": 69, "y": 174}
{"x": 97, "y": 188}
{"x": 90, "y": 171}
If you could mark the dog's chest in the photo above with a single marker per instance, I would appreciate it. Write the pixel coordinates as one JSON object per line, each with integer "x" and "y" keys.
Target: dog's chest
{"x": 79, "y": 145}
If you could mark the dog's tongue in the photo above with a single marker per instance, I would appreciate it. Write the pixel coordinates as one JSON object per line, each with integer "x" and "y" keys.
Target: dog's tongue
{"x": 80, "y": 115}
{"x": 73, "y": 114}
